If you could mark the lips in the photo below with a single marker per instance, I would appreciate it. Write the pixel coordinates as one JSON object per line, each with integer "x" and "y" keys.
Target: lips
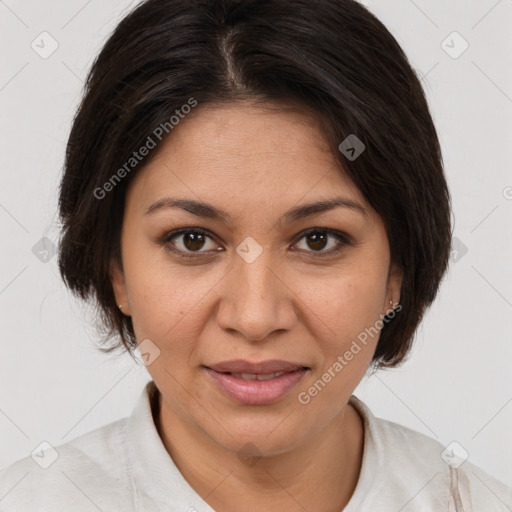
{"x": 257, "y": 376}
{"x": 256, "y": 368}
{"x": 256, "y": 383}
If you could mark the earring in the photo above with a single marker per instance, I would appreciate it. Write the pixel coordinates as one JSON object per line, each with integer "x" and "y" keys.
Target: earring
{"x": 120, "y": 306}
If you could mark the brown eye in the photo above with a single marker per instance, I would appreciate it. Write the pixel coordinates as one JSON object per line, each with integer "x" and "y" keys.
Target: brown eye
{"x": 317, "y": 240}
{"x": 189, "y": 241}
{"x": 322, "y": 242}
{"x": 193, "y": 241}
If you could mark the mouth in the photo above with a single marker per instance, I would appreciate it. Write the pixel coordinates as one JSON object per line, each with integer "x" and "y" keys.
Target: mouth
{"x": 256, "y": 383}
{"x": 255, "y": 376}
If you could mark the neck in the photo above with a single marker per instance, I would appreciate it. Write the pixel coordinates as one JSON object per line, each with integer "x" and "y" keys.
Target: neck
{"x": 319, "y": 474}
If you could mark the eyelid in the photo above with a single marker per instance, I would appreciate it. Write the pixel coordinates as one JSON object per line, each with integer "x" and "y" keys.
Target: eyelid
{"x": 181, "y": 231}
{"x": 329, "y": 231}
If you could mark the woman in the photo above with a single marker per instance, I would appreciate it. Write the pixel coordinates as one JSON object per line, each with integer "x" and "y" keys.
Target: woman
{"x": 254, "y": 196}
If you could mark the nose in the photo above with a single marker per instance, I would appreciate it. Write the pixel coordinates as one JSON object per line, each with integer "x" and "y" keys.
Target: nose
{"x": 256, "y": 301}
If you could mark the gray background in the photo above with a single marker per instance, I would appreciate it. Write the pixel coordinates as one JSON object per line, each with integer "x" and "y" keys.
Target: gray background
{"x": 457, "y": 383}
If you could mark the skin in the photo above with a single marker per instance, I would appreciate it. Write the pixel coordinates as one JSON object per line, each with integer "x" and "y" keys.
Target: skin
{"x": 255, "y": 164}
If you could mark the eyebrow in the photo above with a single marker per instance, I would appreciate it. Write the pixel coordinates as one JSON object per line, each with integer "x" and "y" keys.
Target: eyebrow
{"x": 208, "y": 211}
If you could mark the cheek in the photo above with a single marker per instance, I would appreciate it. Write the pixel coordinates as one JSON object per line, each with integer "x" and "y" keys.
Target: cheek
{"x": 169, "y": 300}
{"x": 350, "y": 302}
{"x": 346, "y": 315}
{"x": 166, "y": 300}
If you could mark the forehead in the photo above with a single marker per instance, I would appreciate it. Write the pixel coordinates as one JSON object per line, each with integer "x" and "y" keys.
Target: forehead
{"x": 245, "y": 153}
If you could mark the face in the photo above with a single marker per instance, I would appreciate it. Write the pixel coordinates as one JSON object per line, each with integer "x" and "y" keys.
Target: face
{"x": 255, "y": 269}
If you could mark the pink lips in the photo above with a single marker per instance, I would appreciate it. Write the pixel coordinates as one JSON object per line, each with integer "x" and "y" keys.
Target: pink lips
{"x": 256, "y": 383}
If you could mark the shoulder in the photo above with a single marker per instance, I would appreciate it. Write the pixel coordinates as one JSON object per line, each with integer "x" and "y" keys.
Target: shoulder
{"x": 89, "y": 470}
{"x": 417, "y": 472}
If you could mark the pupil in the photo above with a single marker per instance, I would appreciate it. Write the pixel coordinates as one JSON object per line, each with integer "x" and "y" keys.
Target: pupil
{"x": 193, "y": 241}
{"x": 317, "y": 240}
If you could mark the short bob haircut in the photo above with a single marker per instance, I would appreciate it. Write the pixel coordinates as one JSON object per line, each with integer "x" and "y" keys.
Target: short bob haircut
{"x": 330, "y": 58}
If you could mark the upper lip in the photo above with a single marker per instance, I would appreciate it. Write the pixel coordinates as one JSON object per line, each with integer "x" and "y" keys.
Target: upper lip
{"x": 256, "y": 368}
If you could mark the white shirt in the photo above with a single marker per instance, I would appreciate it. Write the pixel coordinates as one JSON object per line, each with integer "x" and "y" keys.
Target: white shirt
{"x": 125, "y": 467}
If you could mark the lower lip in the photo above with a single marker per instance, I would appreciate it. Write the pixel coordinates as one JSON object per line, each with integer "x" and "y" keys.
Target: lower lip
{"x": 256, "y": 392}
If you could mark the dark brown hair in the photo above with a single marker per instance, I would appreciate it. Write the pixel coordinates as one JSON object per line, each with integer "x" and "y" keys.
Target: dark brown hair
{"x": 331, "y": 57}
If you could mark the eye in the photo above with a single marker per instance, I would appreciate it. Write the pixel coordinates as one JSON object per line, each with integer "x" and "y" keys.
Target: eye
{"x": 323, "y": 242}
{"x": 188, "y": 242}
{"x": 196, "y": 242}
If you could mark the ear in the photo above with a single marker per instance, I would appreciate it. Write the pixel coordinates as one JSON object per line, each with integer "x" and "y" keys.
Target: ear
{"x": 119, "y": 287}
{"x": 394, "y": 287}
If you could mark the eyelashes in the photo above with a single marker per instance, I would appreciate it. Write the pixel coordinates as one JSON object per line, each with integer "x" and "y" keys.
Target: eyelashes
{"x": 341, "y": 241}
{"x": 196, "y": 236}
{"x": 184, "y": 242}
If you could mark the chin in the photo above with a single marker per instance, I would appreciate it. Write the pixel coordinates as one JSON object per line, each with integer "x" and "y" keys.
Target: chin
{"x": 259, "y": 438}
